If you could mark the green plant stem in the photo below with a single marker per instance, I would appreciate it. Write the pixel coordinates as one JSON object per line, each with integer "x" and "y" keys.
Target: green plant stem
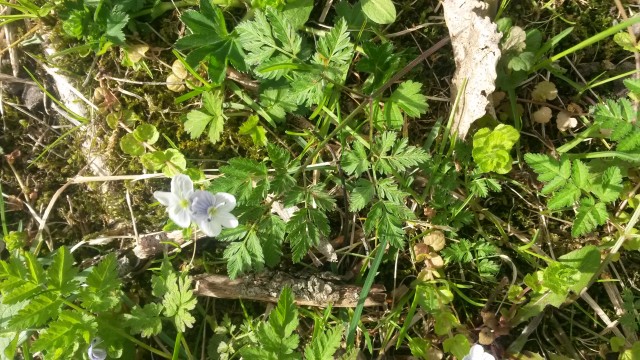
{"x": 373, "y": 270}
{"x": 168, "y": 5}
{"x": 632, "y": 157}
{"x": 590, "y": 41}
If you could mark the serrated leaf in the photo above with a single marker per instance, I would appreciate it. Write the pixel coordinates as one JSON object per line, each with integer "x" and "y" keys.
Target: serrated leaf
{"x": 335, "y": 49}
{"x": 385, "y": 219}
{"x": 590, "y": 215}
{"x": 408, "y": 97}
{"x": 567, "y": 196}
{"x": 253, "y": 128}
{"x": 580, "y": 175}
{"x": 555, "y": 173}
{"x": 38, "y": 312}
{"x": 61, "y": 273}
{"x": 179, "y": 300}
{"x": 305, "y": 228}
{"x": 361, "y": 195}
{"x": 396, "y": 156}
{"x": 522, "y": 62}
{"x": 238, "y": 259}
{"x": 355, "y": 161}
{"x": 145, "y": 320}
{"x": 63, "y": 337}
{"x": 609, "y": 187}
{"x": 324, "y": 345}
{"x": 115, "y": 24}
{"x": 103, "y": 286}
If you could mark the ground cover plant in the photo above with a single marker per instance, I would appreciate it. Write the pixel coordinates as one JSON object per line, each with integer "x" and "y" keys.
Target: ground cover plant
{"x": 289, "y": 179}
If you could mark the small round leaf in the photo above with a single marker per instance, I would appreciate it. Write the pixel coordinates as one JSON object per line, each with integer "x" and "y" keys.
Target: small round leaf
{"x": 132, "y": 146}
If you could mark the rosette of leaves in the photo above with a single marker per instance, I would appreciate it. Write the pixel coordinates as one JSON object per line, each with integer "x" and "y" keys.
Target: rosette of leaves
{"x": 491, "y": 148}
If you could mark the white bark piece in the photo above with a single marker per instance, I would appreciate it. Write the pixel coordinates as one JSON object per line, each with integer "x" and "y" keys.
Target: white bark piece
{"x": 475, "y": 40}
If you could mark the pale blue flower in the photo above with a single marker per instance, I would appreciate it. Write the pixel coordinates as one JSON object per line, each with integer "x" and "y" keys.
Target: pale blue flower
{"x": 96, "y": 353}
{"x": 477, "y": 353}
{"x": 213, "y": 212}
{"x": 177, "y": 201}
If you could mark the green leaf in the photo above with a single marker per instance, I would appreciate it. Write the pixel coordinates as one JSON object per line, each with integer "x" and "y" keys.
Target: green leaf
{"x": 238, "y": 259}
{"x": 567, "y": 196}
{"x": 39, "y": 311}
{"x": 522, "y": 62}
{"x": 491, "y": 148}
{"x": 245, "y": 178}
{"x": 61, "y": 273}
{"x": 396, "y": 156}
{"x": 252, "y": 128}
{"x": 115, "y": 23}
{"x": 590, "y": 215}
{"x": 560, "y": 277}
{"x": 198, "y": 120}
{"x": 335, "y": 49}
{"x": 387, "y": 188}
{"x": 269, "y": 34}
{"x": 103, "y": 286}
{"x": 379, "y": 11}
{"x": 555, "y": 173}
{"x": 385, "y": 219}
{"x": 585, "y": 261}
{"x": 64, "y": 336}
{"x": 458, "y": 345}
{"x": 580, "y": 175}
{"x": 355, "y": 161}
{"x": 146, "y": 133}
{"x": 324, "y": 345}
{"x": 276, "y": 338}
{"x": 132, "y": 146}
{"x": 179, "y": 300}
{"x": 361, "y": 195}
{"x": 408, "y": 97}
{"x": 305, "y": 229}
{"x": 145, "y": 320}
{"x": 175, "y": 163}
{"x": 609, "y": 185}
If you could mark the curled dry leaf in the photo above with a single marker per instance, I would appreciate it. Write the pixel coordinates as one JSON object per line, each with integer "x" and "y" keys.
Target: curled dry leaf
{"x": 498, "y": 96}
{"x": 475, "y": 40}
{"x": 174, "y": 83}
{"x": 564, "y": 121}
{"x": 136, "y": 52}
{"x": 542, "y": 115}
{"x": 574, "y": 108}
{"x": 435, "y": 240}
{"x": 545, "y": 90}
{"x": 179, "y": 70}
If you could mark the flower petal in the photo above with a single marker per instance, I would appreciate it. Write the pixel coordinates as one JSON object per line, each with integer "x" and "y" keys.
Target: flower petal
{"x": 226, "y": 219}
{"x": 166, "y": 198}
{"x": 210, "y": 228}
{"x": 182, "y": 186}
{"x": 225, "y": 202}
{"x": 201, "y": 201}
{"x": 180, "y": 216}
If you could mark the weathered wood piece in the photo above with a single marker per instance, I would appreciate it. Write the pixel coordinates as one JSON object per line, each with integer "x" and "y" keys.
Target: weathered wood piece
{"x": 318, "y": 290}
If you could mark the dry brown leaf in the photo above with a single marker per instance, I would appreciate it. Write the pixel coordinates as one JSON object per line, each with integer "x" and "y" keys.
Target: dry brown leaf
{"x": 435, "y": 240}
{"x": 545, "y": 90}
{"x": 179, "y": 70}
{"x": 543, "y": 115}
{"x": 565, "y": 122}
{"x": 475, "y": 40}
{"x": 174, "y": 83}
{"x": 136, "y": 52}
